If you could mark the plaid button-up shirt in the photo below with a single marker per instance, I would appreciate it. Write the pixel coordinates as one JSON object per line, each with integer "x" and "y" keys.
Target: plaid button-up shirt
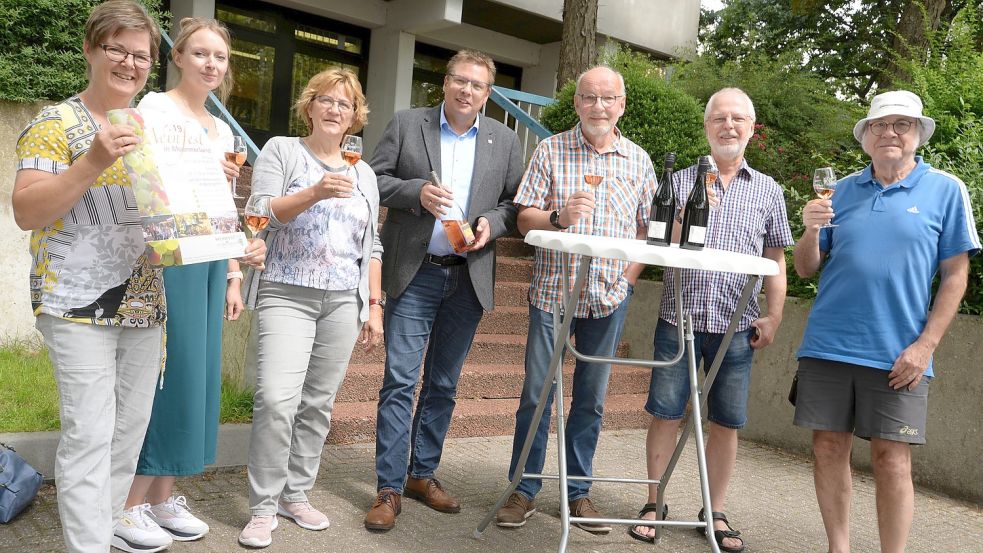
{"x": 622, "y": 203}
{"x": 751, "y": 216}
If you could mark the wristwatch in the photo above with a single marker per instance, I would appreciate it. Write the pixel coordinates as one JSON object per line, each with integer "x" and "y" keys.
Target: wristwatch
{"x": 555, "y": 220}
{"x": 381, "y": 302}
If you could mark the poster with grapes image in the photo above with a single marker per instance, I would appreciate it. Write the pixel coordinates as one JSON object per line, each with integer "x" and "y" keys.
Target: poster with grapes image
{"x": 185, "y": 203}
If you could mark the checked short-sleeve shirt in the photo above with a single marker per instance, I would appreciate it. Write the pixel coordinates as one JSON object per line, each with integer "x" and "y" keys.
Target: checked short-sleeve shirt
{"x": 751, "y": 217}
{"x": 622, "y": 203}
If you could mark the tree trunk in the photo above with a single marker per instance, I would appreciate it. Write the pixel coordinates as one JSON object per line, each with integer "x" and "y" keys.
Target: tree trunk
{"x": 578, "y": 49}
{"x": 912, "y": 38}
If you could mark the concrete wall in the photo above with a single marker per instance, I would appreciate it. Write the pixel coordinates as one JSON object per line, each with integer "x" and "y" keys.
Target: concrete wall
{"x": 16, "y": 319}
{"x": 949, "y": 462}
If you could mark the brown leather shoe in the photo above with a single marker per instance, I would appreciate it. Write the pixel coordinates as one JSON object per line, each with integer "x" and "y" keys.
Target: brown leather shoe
{"x": 431, "y": 493}
{"x": 584, "y": 507}
{"x": 382, "y": 516}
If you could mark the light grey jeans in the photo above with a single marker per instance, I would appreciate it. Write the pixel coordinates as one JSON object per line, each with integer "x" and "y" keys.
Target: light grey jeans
{"x": 306, "y": 337}
{"x": 106, "y": 378}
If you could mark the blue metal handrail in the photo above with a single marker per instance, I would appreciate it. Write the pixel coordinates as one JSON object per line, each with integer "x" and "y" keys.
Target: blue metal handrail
{"x": 506, "y": 98}
{"x": 215, "y": 106}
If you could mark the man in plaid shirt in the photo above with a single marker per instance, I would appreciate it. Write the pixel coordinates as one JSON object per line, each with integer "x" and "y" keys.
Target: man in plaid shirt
{"x": 553, "y": 195}
{"x": 748, "y": 217}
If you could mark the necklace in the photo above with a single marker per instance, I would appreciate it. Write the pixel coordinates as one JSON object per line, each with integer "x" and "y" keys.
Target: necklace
{"x": 203, "y": 119}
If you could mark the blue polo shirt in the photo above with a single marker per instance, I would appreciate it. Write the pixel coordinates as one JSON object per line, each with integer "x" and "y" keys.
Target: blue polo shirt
{"x": 875, "y": 287}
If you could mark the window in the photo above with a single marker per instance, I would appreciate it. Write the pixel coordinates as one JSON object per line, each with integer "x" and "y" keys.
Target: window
{"x": 275, "y": 51}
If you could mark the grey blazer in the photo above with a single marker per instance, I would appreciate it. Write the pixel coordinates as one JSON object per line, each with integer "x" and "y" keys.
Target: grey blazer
{"x": 408, "y": 151}
{"x": 281, "y": 163}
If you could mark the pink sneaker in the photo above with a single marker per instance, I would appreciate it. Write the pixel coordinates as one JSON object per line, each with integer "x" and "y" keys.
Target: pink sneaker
{"x": 303, "y": 514}
{"x": 259, "y": 531}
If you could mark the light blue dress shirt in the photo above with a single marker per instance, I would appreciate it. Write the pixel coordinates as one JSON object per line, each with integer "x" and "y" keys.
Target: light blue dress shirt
{"x": 456, "y": 170}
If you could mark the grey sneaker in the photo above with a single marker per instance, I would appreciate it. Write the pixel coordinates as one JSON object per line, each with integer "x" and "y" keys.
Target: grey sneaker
{"x": 515, "y": 511}
{"x": 584, "y": 507}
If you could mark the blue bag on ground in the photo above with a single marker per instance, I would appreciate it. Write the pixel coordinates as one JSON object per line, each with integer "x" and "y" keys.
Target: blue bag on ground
{"x": 19, "y": 483}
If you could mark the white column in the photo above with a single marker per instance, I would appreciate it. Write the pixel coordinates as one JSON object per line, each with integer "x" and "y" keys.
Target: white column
{"x": 390, "y": 80}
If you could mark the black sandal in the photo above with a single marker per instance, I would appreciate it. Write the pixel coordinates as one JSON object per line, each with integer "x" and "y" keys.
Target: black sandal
{"x": 720, "y": 535}
{"x": 648, "y": 508}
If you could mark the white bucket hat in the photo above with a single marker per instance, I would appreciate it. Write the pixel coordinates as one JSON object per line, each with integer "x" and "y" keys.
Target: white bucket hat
{"x": 896, "y": 102}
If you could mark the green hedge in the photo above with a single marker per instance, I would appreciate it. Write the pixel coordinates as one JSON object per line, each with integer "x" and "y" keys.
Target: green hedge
{"x": 41, "y": 45}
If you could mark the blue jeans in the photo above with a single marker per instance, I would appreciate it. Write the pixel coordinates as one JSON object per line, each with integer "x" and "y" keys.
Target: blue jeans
{"x": 594, "y": 336}
{"x": 669, "y": 387}
{"x": 438, "y": 311}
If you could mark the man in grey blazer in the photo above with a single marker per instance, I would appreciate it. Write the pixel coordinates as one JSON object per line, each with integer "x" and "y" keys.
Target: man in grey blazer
{"x": 436, "y": 296}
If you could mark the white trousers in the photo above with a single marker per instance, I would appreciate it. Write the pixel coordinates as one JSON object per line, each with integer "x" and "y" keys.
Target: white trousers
{"x": 106, "y": 377}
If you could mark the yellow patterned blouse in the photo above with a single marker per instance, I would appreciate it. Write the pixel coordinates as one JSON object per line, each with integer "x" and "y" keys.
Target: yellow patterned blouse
{"x": 89, "y": 265}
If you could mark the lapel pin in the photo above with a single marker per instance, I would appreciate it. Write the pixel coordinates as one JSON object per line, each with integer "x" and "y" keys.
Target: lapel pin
{"x": 489, "y": 141}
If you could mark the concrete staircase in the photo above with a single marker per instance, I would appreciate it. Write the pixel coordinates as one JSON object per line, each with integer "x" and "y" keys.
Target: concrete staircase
{"x": 491, "y": 380}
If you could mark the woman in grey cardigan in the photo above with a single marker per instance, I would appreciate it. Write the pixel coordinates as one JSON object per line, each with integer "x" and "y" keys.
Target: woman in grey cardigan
{"x": 321, "y": 291}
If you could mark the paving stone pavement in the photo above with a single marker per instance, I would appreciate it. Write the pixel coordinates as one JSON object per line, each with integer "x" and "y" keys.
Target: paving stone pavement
{"x": 771, "y": 502}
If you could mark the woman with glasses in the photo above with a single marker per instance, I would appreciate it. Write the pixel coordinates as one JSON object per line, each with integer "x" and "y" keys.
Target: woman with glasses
{"x": 99, "y": 304}
{"x": 183, "y": 429}
{"x": 865, "y": 363}
{"x": 312, "y": 300}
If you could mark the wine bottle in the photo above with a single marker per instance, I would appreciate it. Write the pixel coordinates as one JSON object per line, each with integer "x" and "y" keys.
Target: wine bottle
{"x": 694, "y": 235}
{"x": 663, "y": 207}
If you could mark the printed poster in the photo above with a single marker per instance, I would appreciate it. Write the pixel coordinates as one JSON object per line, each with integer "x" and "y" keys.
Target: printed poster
{"x": 186, "y": 207}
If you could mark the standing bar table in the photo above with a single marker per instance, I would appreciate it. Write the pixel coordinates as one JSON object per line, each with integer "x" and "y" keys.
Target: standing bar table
{"x": 638, "y": 251}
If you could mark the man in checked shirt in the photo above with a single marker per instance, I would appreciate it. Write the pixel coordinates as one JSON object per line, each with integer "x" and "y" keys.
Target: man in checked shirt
{"x": 553, "y": 195}
{"x": 749, "y": 217}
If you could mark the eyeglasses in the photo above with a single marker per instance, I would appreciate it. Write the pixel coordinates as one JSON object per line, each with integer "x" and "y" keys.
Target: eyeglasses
{"x": 119, "y": 55}
{"x": 900, "y": 127}
{"x": 461, "y": 82}
{"x": 735, "y": 119}
{"x": 606, "y": 101}
{"x": 327, "y": 101}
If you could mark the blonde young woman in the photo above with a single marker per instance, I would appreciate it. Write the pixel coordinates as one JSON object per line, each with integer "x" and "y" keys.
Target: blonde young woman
{"x": 321, "y": 289}
{"x": 182, "y": 433}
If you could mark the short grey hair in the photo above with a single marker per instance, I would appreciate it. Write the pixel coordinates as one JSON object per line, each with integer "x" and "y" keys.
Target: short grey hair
{"x": 750, "y": 104}
{"x": 621, "y": 79}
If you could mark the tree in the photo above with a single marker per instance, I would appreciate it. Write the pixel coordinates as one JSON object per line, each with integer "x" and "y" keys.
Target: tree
{"x": 854, "y": 46}
{"x": 578, "y": 48}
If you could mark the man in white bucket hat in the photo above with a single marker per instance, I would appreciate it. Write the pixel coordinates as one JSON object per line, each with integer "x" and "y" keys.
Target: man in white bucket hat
{"x": 865, "y": 362}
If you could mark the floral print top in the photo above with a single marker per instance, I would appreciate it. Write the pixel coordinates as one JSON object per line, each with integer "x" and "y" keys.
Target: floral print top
{"x": 89, "y": 264}
{"x": 322, "y": 247}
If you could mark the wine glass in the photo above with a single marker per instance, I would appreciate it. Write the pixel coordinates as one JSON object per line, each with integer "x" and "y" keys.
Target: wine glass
{"x": 257, "y": 213}
{"x": 824, "y": 183}
{"x": 351, "y": 150}
{"x": 593, "y": 175}
{"x": 237, "y": 156}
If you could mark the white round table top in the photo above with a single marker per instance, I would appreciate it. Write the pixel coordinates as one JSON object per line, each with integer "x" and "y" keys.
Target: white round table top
{"x": 629, "y": 249}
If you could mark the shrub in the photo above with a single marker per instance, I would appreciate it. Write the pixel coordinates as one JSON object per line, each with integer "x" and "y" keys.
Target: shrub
{"x": 948, "y": 84}
{"x": 41, "y": 41}
{"x": 657, "y": 117}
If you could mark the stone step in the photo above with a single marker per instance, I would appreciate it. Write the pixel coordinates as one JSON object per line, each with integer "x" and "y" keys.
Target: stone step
{"x": 512, "y": 269}
{"x": 486, "y": 349}
{"x": 355, "y": 422}
{"x": 509, "y": 246}
{"x": 505, "y": 320}
{"x": 489, "y": 381}
{"x": 511, "y": 294}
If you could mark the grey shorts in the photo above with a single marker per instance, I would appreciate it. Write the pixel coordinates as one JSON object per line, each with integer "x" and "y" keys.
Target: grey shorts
{"x": 840, "y": 397}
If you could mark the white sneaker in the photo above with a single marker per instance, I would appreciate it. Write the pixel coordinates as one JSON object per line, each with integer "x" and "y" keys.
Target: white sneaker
{"x": 135, "y": 532}
{"x": 259, "y": 531}
{"x": 175, "y": 518}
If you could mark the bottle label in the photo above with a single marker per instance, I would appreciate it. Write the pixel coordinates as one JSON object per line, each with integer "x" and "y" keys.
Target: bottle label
{"x": 657, "y": 229}
{"x": 698, "y": 235}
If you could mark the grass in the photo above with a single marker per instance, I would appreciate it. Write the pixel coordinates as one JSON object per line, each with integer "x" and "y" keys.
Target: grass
{"x": 29, "y": 395}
